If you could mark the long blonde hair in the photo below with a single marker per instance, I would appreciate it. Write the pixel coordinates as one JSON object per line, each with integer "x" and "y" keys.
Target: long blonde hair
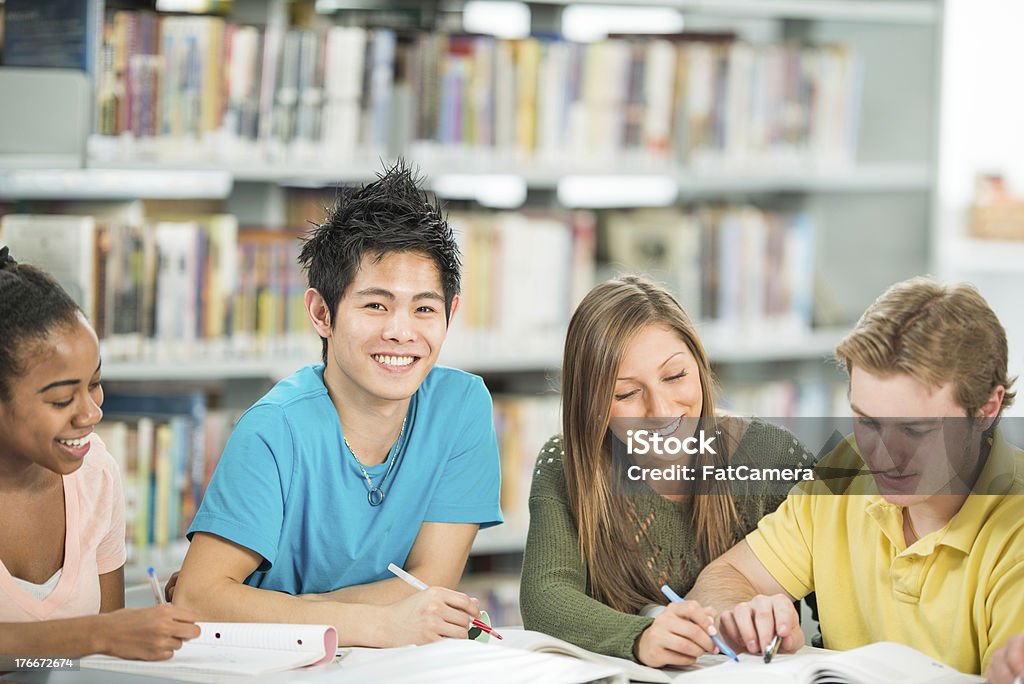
{"x": 601, "y": 329}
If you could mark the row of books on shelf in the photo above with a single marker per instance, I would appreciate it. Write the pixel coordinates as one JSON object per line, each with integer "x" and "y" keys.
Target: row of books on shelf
{"x": 167, "y": 446}
{"x": 523, "y": 272}
{"x": 744, "y": 269}
{"x": 164, "y": 285}
{"x": 343, "y": 92}
{"x": 157, "y": 285}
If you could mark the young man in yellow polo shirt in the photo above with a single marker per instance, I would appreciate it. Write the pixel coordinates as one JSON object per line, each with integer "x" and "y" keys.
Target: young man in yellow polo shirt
{"x": 926, "y": 545}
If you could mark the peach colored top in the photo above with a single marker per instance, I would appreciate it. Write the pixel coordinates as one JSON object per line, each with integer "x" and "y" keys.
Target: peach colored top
{"x": 93, "y": 544}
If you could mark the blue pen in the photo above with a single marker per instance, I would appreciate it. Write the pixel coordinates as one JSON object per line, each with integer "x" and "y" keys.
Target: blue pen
{"x": 719, "y": 642}
{"x": 154, "y": 584}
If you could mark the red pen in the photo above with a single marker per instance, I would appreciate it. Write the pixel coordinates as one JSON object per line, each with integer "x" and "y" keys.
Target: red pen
{"x": 487, "y": 628}
{"x": 419, "y": 584}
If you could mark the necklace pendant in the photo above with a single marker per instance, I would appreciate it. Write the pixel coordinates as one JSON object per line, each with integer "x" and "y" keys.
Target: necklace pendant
{"x": 375, "y": 497}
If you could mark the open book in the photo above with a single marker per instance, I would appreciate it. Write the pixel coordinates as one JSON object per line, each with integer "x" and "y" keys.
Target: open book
{"x": 460, "y": 660}
{"x": 539, "y": 642}
{"x": 880, "y": 663}
{"x": 229, "y": 651}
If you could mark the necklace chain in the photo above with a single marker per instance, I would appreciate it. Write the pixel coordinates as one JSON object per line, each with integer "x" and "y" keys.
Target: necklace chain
{"x": 375, "y": 496}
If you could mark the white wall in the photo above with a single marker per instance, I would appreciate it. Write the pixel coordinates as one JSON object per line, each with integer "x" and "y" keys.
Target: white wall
{"x": 982, "y": 130}
{"x": 983, "y": 95}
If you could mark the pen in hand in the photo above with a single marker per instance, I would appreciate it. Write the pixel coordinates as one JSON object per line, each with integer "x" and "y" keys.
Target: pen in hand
{"x": 154, "y": 583}
{"x": 418, "y": 584}
{"x": 772, "y": 648}
{"x": 719, "y": 642}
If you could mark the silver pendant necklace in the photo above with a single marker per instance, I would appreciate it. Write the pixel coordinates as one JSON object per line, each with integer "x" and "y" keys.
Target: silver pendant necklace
{"x": 375, "y": 496}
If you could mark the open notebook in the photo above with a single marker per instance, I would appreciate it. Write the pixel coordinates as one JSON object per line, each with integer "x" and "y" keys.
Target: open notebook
{"x": 880, "y": 663}
{"x": 230, "y": 651}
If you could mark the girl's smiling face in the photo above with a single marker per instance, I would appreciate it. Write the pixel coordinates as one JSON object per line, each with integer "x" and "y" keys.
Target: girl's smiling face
{"x": 658, "y": 381}
{"x": 54, "y": 405}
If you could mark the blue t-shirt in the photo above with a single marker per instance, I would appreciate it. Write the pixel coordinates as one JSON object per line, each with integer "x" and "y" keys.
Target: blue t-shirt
{"x": 289, "y": 489}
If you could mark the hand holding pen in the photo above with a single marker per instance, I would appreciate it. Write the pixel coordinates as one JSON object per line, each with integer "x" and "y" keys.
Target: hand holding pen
{"x": 443, "y": 612}
{"x": 757, "y": 623}
{"x": 146, "y": 633}
{"x": 678, "y": 636}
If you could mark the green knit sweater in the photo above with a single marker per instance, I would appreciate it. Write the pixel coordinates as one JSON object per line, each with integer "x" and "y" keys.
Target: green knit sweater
{"x": 553, "y": 596}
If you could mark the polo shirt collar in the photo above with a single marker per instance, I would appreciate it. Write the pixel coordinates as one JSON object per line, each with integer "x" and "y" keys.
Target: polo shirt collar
{"x": 1000, "y": 476}
{"x": 1002, "y": 470}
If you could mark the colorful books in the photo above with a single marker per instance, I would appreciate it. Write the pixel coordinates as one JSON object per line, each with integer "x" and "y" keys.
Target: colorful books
{"x": 165, "y": 458}
{"x": 279, "y": 93}
{"x": 737, "y": 269}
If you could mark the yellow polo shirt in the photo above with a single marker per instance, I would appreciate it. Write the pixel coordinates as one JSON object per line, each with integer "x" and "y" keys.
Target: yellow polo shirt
{"x": 956, "y": 594}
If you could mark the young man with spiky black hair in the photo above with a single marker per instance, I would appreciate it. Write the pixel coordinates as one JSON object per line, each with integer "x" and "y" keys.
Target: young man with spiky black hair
{"x": 375, "y": 456}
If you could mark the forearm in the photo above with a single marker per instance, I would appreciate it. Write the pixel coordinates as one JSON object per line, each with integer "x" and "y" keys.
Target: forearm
{"x": 382, "y": 593}
{"x": 71, "y": 638}
{"x": 226, "y": 600}
{"x": 387, "y": 591}
{"x": 721, "y": 586}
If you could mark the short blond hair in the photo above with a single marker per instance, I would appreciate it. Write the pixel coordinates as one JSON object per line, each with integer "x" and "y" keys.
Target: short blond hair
{"x": 936, "y": 334}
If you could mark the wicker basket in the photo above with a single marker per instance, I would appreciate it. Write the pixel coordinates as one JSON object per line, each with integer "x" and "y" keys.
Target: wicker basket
{"x": 1002, "y": 221}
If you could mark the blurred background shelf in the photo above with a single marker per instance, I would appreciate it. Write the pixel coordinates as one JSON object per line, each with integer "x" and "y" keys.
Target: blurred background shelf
{"x": 723, "y": 348}
{"x": 880, "y": 177}
{"x": 882, "y": 11}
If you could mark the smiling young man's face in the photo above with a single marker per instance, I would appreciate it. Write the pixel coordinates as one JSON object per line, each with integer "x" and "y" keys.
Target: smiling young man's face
{"x": 388, "y": 329}
{"x": 917, "y": 441}
{"x": 55, "y": 404}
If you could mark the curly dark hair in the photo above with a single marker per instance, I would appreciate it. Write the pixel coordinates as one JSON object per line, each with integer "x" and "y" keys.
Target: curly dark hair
{"x": 393, "y": 214}
{"x": 32, "y": 304}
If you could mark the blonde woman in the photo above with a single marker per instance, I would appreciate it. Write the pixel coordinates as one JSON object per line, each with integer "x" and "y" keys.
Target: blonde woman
{"x": 600, "y": 546}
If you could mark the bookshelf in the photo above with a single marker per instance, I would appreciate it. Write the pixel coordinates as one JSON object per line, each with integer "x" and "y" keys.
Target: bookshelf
{"x": 814, "y": 345}
{"x": 869, "y": 199}
{"x": 871, "y": 177}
